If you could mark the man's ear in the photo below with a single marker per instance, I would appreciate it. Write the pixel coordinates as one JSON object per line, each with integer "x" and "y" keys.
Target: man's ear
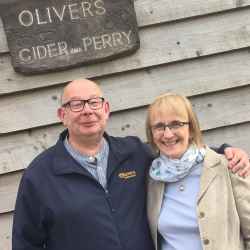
{"x": 107, "y": 108}
{"x": 60, "y": 114}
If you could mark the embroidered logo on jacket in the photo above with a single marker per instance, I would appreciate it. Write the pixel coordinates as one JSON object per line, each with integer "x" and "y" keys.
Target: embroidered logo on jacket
{"x": 127, "y": 175}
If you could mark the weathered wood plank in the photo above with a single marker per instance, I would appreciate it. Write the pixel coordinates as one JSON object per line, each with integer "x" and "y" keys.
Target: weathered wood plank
{"x": 214, "y": 110}
{"x": 170, "y": 43}
{"x": 232, "y": 134}
{"x": 3, "y": 41}
{"x": 125, "y": 90}
{"x": 8, "y": 190}
{"x": 5, "y": 231}
{"x": 237, "y": 135}
{"x": 153, "y": 12}
{"x": 17, "y": 150}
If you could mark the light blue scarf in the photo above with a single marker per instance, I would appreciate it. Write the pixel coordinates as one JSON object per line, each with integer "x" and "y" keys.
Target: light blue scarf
{"x": 172, "y": 170}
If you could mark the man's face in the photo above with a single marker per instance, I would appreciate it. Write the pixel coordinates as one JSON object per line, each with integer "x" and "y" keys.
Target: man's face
{"x": 88, "y": 123}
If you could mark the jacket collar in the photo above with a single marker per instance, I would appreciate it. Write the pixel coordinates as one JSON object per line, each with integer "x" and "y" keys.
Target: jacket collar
{"x": 64, "y": 163}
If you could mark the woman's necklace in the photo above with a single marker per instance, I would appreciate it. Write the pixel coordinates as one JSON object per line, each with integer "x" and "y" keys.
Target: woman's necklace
{"x": 181, "y": 187}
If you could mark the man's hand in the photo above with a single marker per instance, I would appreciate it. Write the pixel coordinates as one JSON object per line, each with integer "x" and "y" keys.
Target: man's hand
{"x": 238, "y": 161}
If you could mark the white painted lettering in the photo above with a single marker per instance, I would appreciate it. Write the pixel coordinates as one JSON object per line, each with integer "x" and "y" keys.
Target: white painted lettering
{"x": 24, "y": 55}
{"x": 52, "y": 50}
{"x": 75, "y": 50}
{"x": 106, "y": 40}
{"x": 63, "y": 48}
{"x": 87, "y": 42}
{"x": 73, "y": 11}
{"x": 99, "y": 4}
{"x": 25, "y": 18}
{"x": 34, "y": 53}
{"x": 127, "y": 35}
{"x": 86, "y": 7}
{"x": 97, "y": 41}
{"x": 117, "y": 38}
{"x": 38, "y": 18}
{"x": 61, "y": 14}
{"x": 41, "y": 52}
{"x": 49, "y": 15}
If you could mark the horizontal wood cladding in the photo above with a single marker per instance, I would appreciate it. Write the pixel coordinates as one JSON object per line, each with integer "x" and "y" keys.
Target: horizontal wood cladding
{"x": 161, "y": 44}
{"x": 153, "y": 12}
{"x": 184, "y": 49}
{"x": 214, "y": 110}
{"x": 5, "y": 231}
{"x": 210, "y": 74}
{"x": 237, "y": 135}
{"x": 8, "y": 190}
{"x": 232, "y": 134}
{"x": 3, "y": 41}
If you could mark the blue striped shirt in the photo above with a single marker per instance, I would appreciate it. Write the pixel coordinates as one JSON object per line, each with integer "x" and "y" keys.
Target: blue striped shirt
{"x": 95, "y": 165}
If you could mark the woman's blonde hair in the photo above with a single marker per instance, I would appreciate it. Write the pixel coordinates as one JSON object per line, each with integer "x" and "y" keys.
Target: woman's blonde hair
{"x": 178, "y": 105}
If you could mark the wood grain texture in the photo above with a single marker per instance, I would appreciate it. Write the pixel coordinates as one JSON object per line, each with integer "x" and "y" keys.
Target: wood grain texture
{"x": 171, "y": 42}
{"x": 3, "y": 41}
{"x": 17, "y": 150}
{"x": 182, "y": 50}
{"x": 215, "y": 110}
{"x": 5, "y": 231}
{"x": 236, "y": 135}
{"x": 8, "y": 190}
{"x": 153, "y": 12}
{"x": 133, "y": 89}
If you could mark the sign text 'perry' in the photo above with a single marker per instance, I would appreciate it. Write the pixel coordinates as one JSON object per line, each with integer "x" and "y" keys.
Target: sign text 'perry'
{"x": 53, "y": 35}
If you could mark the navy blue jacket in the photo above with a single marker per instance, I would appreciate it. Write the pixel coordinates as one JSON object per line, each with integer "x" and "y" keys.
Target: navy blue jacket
{"x": 60, "y": 206}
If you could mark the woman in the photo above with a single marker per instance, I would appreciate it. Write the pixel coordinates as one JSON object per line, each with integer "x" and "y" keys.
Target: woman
{"x": 194, "y": 202}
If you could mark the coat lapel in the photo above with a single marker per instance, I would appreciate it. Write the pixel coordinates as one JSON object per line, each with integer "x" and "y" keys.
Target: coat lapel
{"x": 155, "y": 198}
{"x": 209, "y": 171}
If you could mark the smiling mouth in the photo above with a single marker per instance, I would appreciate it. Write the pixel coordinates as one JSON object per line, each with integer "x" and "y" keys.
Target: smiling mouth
{"x": 89, "y": 124}
{"x": 170, "y": 143}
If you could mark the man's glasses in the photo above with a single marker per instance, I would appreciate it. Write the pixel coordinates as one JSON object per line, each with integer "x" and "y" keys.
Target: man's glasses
{"x": 173, "y": 126}
{"x": 78, "y": 105}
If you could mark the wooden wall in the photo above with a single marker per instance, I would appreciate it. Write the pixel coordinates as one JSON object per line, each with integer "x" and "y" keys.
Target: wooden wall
{"x": 197, "y": 48}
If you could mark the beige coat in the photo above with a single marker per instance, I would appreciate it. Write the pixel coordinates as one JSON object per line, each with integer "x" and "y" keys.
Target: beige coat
{"x": 223, "y": 206}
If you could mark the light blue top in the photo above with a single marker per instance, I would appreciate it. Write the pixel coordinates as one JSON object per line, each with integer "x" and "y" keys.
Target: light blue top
{"x": 96, "y": 165}
{"x": 178, "y": 223}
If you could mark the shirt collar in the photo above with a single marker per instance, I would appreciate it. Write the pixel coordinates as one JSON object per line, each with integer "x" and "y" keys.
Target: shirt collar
{"x": 86, "y": 159}
{"x": 64, "y": 163}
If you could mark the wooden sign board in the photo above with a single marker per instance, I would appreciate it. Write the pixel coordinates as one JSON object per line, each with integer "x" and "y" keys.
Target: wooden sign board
{"x": 50, "y": 35}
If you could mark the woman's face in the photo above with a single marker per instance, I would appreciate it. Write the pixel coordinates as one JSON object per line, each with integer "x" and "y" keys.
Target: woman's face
{"x": 170, "y": 134}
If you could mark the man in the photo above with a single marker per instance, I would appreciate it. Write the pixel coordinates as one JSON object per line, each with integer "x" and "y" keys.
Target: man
{"x": 88, "y": 191}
